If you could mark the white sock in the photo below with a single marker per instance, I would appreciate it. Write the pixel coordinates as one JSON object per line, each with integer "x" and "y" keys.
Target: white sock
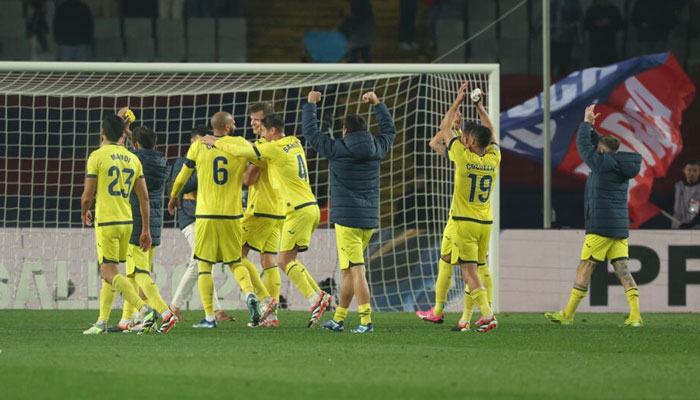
{"x": 209, "y": 318}
{"x": 123, "y": 321}
{"x": 166, "y": 314}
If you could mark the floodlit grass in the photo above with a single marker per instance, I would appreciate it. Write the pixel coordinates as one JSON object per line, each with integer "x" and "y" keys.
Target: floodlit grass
{"x": 44, "y": 355}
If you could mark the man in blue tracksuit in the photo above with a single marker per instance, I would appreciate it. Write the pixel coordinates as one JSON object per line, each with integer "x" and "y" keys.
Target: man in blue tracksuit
{"x": 606, "y": 217}
{"x": 354, "y": 169}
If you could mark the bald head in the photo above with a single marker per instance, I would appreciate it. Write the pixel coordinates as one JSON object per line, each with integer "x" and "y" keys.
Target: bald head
{"x": 222, "y": 123}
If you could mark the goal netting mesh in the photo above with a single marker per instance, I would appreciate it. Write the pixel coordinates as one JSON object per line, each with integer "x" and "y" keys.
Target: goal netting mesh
{"x": 51, "y": 122}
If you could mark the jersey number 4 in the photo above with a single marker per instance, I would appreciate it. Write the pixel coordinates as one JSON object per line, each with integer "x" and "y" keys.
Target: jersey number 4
{"x": 303, "y": 174}
{"x": 112, "y": 188}
{"x": 484, "y": 185}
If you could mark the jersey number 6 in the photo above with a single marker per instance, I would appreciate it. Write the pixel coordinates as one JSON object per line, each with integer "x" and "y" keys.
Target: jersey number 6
{"x": 220, "y": 172}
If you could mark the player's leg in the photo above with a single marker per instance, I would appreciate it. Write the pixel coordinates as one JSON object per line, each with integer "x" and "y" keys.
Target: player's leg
{"x": 142, "y": 267}
{"x": 619, "y": 256}
{"x": 351, "y": 244}
{"x": 207, "y": 252}
{"x": 444, "y": 278}
{"x": 189, "y": 277}
{"x": 593, "y": 251}
{"x": 254, "y": 233}
{"x": 347, "y": 291}
{"x": 483, "y": 269}
{"x": 273, "y": 282}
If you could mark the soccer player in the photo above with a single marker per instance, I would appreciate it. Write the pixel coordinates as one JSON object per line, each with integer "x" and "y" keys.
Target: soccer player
{"x": 219, "y": 210}
{"x": 476, "y": 158}
{"x": 265, "y": 214}
{"x": 285, "y": 157}
{"x": 444, "y": 278}
{"x": 354, "y": 169}
{"x": 112, "y": 173}
{"x": 606, "y": 217}
{"x": 185, "y": 221}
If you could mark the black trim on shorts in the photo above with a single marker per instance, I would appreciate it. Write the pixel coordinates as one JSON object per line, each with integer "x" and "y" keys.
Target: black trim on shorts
{"x": 272, "y": 216}
{"x": 246, "y": 244}
{"x": 196, "y": 257}
{"x": 115, "y": 223}
{"x": 91, "y": 175}
{"x": 478, "y": 221}
{"x": 298, "y": 248}
{"x": 352, "y": 264}
{"x": 255, "y": 149}
{"x": 449, "y": 145}
{"x": 141, "y": 177}
{"x": 206, "y": 216}
{"x": 480, "y": 264}
{"x": 108, "y": 261}
{"x": 591, "y": 258}
{"x": 141, "y": 271}
{"x": 311, "y": 203}
{"x": 619, "y": 258}
{"x": 466, "y": 261}
{"x": 189, "y": 163}
{"x": 204, "y": 273}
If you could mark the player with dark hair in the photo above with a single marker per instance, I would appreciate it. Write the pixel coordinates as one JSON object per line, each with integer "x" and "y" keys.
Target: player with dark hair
{"x": 185, "y": 221}
{"x": 606, "y": 217}
{"x": 446, "y": 261}
{"x": 112, "y": 173}
{"x": 219, "y": 210}
{"x": 355, "y": 162}
{"x": 285, "y": 156}
{"x": 476, "y": 158}
{"x": 264, "y": 214}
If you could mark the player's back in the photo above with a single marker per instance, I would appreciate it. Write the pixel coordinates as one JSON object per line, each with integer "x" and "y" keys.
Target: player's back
{"x": 219, "y": 178}
{"x": 288, "y": 163}
{"x": 116, "y": 170}
{"x": 474, "y": 179}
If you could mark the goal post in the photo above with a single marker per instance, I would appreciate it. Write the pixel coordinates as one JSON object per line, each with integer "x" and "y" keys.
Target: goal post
{"x": 51, "y": 112}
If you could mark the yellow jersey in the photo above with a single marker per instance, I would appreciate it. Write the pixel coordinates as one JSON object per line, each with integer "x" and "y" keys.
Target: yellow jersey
{"x": 287, "y": 163}
{"x": 219, "y": 178}
{"x": 474, "y": 178}
{"x": 265, "y": 196}
{"x": 116, "y": 170}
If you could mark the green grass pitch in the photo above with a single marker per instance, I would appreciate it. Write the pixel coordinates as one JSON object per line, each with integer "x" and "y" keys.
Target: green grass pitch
{"x": 43, "y": 355}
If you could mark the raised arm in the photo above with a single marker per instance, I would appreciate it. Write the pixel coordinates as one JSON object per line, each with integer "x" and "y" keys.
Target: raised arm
{"x": 242, "y": 149}
{"x": 387, "y": 130}
{"x": 438, "y": 144}
{"x": 144, "y": 206}
{"x": 485, "y": 120}
{"x": 309, "y": 127}
{"x": 446, "y": 124}
{"x": 586, "y": 145}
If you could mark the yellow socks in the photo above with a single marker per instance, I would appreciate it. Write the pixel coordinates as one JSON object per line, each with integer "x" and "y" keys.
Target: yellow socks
{"x": 576, "y": 296}
{"x": 128, "y": 309}
{"x": 442, "y": 285}
{"x": 468, "y": 309}
{"x": 311, "y": 281}
{"x": 486, "y": 280}
{"x": 240, "y": 272}
{"x": 365, "y": 313}
{"x": 150, "y": 289}
{"x": 296, "y": 273}
{"x": 481, "y": 301}
{"x": 633, "y": 298}
{"x": 106, "y": 300}
{"x": 273, "y": 281}
{"x": 122, "y": 285}
{"x": 258, "y": 285}
{"x": 340, "y": 314}
{"x": 205, "y": 283}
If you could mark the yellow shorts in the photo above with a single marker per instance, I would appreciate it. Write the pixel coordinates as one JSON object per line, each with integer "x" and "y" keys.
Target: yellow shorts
{"x": 138, "y": 260}
{"x": 351, "y": 243}
{"x": 470, "y": 242}
{"x": 112, "y": 242}
{"x": 217, "y": 240}
{"x": 298, "y": 228}
{"x": 446, "y": 246}
{"x": 262, "y": 234}
{"x": 599, "y": 248}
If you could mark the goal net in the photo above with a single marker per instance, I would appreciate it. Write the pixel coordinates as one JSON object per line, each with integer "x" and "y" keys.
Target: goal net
{"x": 51, "y": 117}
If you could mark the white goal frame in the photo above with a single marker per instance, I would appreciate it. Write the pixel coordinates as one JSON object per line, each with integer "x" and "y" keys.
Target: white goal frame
{"x": 491, "y": 70}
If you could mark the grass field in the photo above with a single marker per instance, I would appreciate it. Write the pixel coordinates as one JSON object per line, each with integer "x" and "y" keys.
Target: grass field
{"x": 44, "y": 355}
